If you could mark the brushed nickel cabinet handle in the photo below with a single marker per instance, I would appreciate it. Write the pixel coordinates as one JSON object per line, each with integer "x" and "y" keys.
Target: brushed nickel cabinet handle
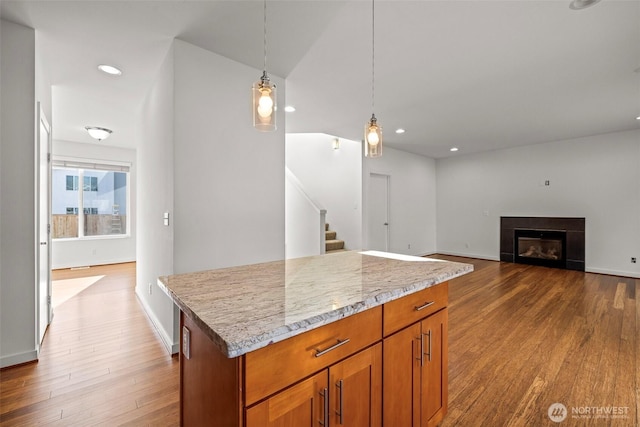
{"x": 333, "y": 347}
{"x": 340, "y": 413}
{"x": 325, "y": 407}
{"x": 421, "y": 358}
{"x": 425, "y": 305}
{"x": 429, "y": 346}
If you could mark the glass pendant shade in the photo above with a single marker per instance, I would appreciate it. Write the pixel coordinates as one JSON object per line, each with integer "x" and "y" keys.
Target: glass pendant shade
{"x": 372, "y": 138}
{"x": 264, "y": 104}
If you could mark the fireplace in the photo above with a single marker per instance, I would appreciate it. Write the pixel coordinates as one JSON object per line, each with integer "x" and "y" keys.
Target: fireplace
{"x": 551, "y": 242}
{"x": 540, "y": 247}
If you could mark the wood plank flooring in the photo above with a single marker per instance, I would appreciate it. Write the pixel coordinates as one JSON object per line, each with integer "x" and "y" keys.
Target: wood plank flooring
{"x": 520, "y": 339}
{"x": 101, "y": 362}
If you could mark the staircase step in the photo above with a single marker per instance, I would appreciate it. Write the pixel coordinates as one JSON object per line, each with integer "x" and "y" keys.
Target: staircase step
{"x": 334, "y": 244}
{"x": 329, "y": 235}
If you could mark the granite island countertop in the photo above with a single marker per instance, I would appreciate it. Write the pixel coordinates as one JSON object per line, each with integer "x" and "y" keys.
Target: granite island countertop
{"x": 245, "y": 308}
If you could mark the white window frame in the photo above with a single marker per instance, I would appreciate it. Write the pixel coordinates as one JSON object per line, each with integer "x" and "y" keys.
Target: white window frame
{"x": 101, "y": 165}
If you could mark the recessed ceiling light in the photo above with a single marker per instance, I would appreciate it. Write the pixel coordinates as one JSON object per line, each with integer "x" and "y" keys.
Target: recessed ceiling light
{"x": 110, "y": 69}
{"x": 582, "y": 4}
{"x": 399, "y": 130}
{"x": 638, "y": 118}
{"x": 453, "y": 149}
{"x": 289, "y": 109}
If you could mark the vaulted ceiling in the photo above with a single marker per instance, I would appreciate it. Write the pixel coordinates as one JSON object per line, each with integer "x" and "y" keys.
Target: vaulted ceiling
{"x": 478, "y": 75}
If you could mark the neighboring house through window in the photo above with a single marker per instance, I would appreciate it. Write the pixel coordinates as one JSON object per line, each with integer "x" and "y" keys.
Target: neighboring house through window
{"x": 103, "y": 199}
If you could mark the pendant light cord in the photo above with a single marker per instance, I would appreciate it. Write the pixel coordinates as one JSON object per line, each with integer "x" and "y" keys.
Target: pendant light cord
{"x": 264, "y": 14}
{"x": 373, "y": 54}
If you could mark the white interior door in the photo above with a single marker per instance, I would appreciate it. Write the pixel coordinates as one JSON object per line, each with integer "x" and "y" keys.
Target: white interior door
{"x": 378, "y": 212}
{"x": 44, "y": 312}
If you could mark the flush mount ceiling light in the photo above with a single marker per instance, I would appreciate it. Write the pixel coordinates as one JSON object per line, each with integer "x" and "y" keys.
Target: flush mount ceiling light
{"x": 289, "y": 109}
{"x": 453, "y": 149}
{"x": 582, "y": 4}
{"x": 110, "y": 69}
{"x": 372, "y": 130}
{"x": 264, "y": 92}
{"x": 98, "y": 133}
{"x": 400, "y": 130}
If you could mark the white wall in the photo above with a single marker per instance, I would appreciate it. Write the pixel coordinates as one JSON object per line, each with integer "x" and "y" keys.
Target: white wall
{"x": 98, "y": 251}
{"x": 155, "y": 197}
{"x": 596, "y": 177}
{"x": 333, "y": 178}
{"x": 229, "y": 178}
{"x": 17, "y": 187}
{"x": 304, "y": 221}
{"x": 412, "y": 194}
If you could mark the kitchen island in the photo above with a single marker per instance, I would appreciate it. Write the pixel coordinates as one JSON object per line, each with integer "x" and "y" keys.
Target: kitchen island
{"x": 350, "y": 338}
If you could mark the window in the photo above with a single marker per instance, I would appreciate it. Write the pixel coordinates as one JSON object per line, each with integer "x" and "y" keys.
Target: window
{"x": 72, "y": 183}
{"x": 102, "y": 200}
{"x": 90, "y": 183}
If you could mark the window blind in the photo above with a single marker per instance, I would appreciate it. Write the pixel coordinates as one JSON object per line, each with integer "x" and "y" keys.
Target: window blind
{"x": 61, "y": 163}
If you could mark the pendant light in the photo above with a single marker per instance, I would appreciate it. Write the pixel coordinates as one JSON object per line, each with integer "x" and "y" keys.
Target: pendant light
{"x": 372, "y": 130}
{"x": 264, "y": 93}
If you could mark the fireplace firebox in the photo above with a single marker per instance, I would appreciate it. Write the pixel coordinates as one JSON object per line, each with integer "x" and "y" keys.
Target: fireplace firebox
{"x": 540, "y": 247}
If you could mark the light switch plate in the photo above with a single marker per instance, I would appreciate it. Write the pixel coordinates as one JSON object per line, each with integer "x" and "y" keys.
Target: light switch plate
{"x": 166, "y": 218}
{"x": 186, "y": 342}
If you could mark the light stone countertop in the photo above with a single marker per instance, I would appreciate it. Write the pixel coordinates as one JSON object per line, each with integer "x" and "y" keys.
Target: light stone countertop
{"x": 249, "y": 307}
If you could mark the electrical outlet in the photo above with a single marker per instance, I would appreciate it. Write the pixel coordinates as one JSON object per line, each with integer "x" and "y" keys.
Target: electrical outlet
{"x": 186, "y": 342}
{"x": 150, "y": 289}
{"x": 633, "y": 260}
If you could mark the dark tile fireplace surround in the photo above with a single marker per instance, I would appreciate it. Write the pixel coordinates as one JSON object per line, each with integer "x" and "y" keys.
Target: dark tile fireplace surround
{"x": 552, "y": 242}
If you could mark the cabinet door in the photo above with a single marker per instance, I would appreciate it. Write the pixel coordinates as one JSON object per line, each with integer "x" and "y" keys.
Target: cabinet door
{"x": 401, "y": 377}
{"x": 356, "y": 390}
{"x": 302, "y": 405}
{"x": 435, "y": 370}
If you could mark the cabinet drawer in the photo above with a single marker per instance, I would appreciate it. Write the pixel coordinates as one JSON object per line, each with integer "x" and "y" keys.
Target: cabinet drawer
{"x": 279, "y": 365}
{"x": 411, "y": 308}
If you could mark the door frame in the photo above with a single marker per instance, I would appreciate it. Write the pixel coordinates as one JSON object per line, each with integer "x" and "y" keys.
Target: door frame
{"x": 43, "y": 122}
{"x": 387, "y": 177}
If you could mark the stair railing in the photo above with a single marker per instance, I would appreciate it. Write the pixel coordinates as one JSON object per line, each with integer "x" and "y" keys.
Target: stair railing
{"x": 322, "y": 212}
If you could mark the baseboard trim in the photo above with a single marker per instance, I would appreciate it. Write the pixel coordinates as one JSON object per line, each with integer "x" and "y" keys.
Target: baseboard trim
{"x": 612, "y": 272}
{"x": 169, "y": 345}
{"x": 18, "y": 358}
{"x": 468, "y": 255}
{"x": 94, "y": 263}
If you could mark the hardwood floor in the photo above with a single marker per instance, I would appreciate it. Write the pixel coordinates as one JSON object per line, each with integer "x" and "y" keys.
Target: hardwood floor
{"x": 101, "y": 362}
{"x": 520, "y": 339}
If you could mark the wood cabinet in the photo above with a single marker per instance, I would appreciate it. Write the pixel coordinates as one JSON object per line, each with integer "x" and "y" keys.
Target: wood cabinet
{"x": 415, "y": 368}
{"x": 302, "y": 405}
{"x": 355, "y": 396}
{"x": 329, "y": 376}
{"x": 346, "y": 394}
{"x": 434, "y": 372}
